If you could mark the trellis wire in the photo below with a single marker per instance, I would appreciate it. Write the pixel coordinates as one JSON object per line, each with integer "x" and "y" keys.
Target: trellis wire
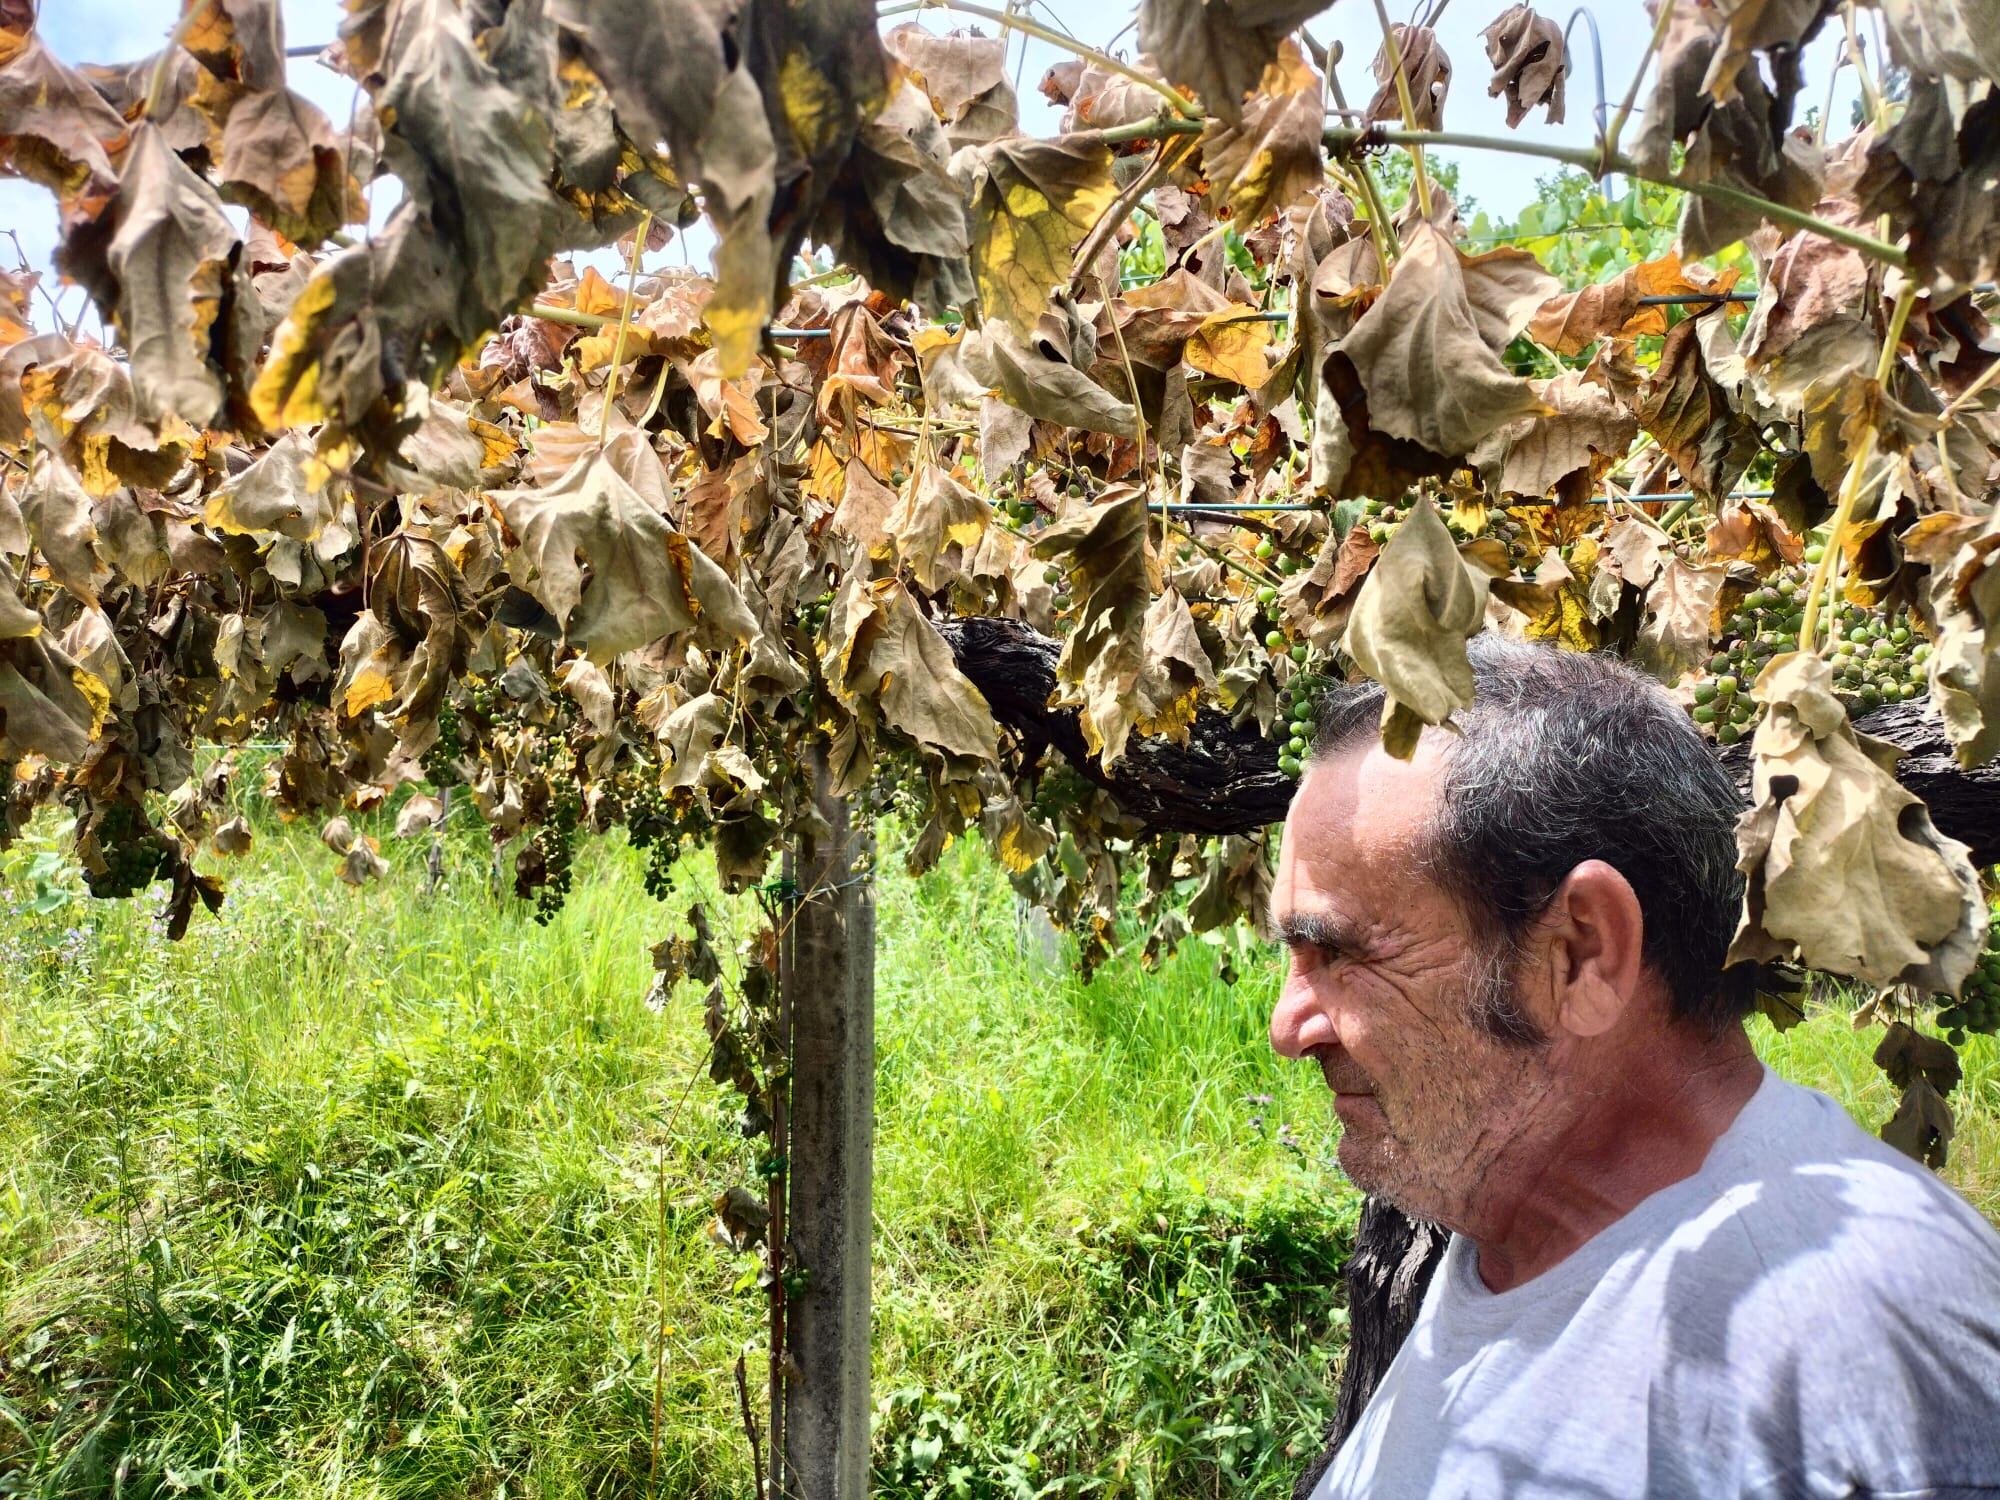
{"x": 1178, "y": 506}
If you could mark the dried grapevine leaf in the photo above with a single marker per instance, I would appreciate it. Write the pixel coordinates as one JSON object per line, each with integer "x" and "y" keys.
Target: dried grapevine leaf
{"x": 1410, "y": 623}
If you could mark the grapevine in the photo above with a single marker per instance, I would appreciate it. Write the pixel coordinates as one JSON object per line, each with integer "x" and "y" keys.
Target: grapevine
{"x": 1876, "y": 658}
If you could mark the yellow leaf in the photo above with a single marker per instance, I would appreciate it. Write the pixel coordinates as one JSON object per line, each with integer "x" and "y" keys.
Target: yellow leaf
{"x": 286, "y": 393}
{"x": 1032, "y": 204}
{"x": 1230, "y": 345}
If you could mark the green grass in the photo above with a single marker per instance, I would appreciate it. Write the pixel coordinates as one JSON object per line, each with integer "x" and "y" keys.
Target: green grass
{"x": 359, "y": 1194}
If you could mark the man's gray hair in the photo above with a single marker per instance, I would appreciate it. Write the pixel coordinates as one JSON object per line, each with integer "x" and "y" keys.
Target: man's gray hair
{"x": 1568, "y": 756}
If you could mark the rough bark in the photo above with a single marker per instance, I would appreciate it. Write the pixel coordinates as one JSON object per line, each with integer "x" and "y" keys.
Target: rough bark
{"x": 1226, "y": 778}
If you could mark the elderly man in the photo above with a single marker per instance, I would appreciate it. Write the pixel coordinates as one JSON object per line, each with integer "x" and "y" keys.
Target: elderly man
{"x": 1670, "y": 1271}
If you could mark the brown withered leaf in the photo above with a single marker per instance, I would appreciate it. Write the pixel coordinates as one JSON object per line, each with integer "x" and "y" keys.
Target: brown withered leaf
{"x": 61, "y": 522}
{"x": 418, "y": 815}
{"x": 1747, "y": 530}
{"x": 359, "y": 861}
{"x": 1315, "y": 603}
{"x": 1408, "y": 630}
{"x": 934, "y": 526}
{"x": 1273, "y": 158}
{"x": 1219, "y": 48}
{"x": 49, "y": 703}
{"x": 1906, "y": 1055}
{"x": 1427, "y": 352}
{"x": 1674, "y": 635}
{"x": 1105, "y": 100}
{"x": 1037, "y": 376}
{"x": 1529, "y": 63}
{"x": 1922, "y": 1126}
{"x": 885, "y": 659}
{"x": 1014, "y": 834}
{"x": 953, "y": 70}
{"x": 1692, "y": 418}
{"x": 1177, "y": 670}
{"x": 242, "y": 41}
{"x": 645, "y": 581}
{"x": 1753, "y": 26}
{"x": 1961, "y": 602}
{"x": 1571, "y": 322}
{"x": 1232, "y": 345}
{"x": 1032, "y": 204}
{"x": 1740, "y": 141}
{"x": 233, "y": 837}
{"x": 476, "y": 158}
{"x": 283, "y": 160}
{"x": 1634, "y": 549}
{"x": 1113, "y": 574}
{"x": 275, "y": 495}
{"x": 914, "y": 235}
{"x": 1811, "y": 281}
{"x": 55, "y": 129}
{"x": 1844, "y": 870}
{"x": 1583, "y": 430}
{"x": 865, "y": 506}
{"x": 169, "y": 276}
{"x": 1427, "y": 71}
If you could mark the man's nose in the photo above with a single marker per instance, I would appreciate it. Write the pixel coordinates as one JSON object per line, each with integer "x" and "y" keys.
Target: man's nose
{"x": 1300, "y": 1021}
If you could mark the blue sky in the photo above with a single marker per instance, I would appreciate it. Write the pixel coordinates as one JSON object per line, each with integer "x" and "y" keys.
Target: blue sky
{"x": 122, "y": 30}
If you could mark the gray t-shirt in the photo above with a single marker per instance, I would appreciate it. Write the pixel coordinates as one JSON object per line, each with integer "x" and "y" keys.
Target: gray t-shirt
{"x": 1809, "y": 1314}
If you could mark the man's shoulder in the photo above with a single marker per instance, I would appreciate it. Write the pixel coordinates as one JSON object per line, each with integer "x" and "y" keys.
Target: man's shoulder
{"x": 1829, "y": 1213}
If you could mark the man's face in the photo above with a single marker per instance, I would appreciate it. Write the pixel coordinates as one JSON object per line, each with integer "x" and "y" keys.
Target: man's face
{"x": 1383, "y": 969}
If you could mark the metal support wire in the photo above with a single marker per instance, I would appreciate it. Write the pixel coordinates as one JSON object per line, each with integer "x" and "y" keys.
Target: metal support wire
{"x": 1602, "y": 113}
{"x": 1704, "y": 297}
{"x": 777, "y": 332}
{"x": 1181, "y": 507}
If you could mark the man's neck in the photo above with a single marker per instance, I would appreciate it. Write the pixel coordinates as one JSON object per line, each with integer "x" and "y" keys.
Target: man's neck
{"x": 1617, "y": 1148}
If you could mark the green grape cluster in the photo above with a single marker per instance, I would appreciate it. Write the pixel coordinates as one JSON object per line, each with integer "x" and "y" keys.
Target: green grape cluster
{"x": 554, "y": 855}
{"x": 1058, "y": 790}
{"x": 1875, "y": 659}
{"x": 813, "y": 616}
{"x": 135, "y": 854}
{"x": 1978, "y": 1005}
{"x": 1285, "y": 562}
{"x": 651, "y": 825}
{"x": 1058, "y": 580}
{"x": 1298, "y": 730}
{"x": 441, "y": 760}
{"x": 483, "y": 700}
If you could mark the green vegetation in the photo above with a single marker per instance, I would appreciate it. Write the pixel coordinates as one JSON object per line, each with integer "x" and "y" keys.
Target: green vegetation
{"x": 358, "y": 1193}
{"x": 361, "y": 1194}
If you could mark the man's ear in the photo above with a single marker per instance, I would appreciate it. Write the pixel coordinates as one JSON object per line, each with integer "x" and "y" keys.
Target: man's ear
{"x": 1594, "y": 932}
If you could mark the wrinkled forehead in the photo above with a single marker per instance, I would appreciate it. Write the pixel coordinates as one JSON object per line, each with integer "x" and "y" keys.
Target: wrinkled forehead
{"x": 1360, "y": 816}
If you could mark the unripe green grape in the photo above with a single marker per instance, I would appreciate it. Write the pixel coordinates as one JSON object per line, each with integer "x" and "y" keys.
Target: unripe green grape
{"x": 1274, "y": 640}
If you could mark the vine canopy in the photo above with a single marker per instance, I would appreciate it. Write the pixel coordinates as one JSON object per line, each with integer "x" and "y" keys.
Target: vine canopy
{"x": 425, "y": 500}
